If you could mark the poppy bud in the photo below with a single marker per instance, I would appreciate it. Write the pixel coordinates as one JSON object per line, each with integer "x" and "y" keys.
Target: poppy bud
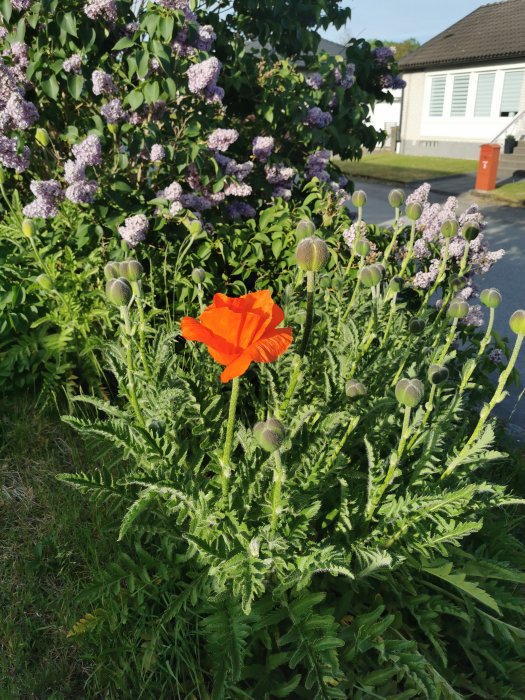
{"x": 458, "y": 282}
{"x": 131, "y": 270}
{"x": 517, "y": 322}
{"x": 437, "y": 374}
{"x": 370, "y": 276}
{"x": 28, "y": 228}
{"x": 396, "y": 283}
{"x": 118, "y": 291}
{"x": 409, "y": 392}
{"x": 269, "y": 434}
{"x": 362, "y": 247}
{"x": 396, "y": 198}
{"x": 42, "y": 137}
{"x": 45, "y": 282}
{"x": 458, "y": 308}
{"x": 198, "y": 275}
{"x": 157, "y": 427}
{"x": 470, "y": 231}
{"x": 491, "y": 298}
{"x": 449, "y": 228}
{"x": 112, "y": 271}
{"x": 414, "y": 210}
{"x": 359, "y": 198}
{"x": 312, "y": 254}
{"x": 305, "y": 227}
{"x": 416, "y": 326}
{"x": 355, "y": 389}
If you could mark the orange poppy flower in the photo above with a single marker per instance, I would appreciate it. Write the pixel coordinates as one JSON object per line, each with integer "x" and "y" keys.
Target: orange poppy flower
{"x": 239, "y": 331}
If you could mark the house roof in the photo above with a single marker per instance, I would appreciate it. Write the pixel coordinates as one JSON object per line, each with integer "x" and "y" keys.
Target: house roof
{"x": 493, "y": 32}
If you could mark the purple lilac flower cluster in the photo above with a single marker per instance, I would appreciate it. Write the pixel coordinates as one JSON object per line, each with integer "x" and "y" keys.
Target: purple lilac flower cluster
{"x": 22, "y": 4}
{"x": 429, "y": 226}
{"x": 157, "y": 153}
{"x": 101, "y": 9}
{"x": 280, "y": 176}
{"x": 18, "y": 113}
{"x": 47, "y": 196}
{"x": 317, "y": 164}
{"x": 10, "y": 157}
{"x": 222, "y": 139}
{"x": 383, "y": 54}
{"x": 350, "y": 234}
{"x": 496, "y": 356}
{"x": 231, "y": 167}
{"x": 86, "y": 153}
{"x": 317, "y": 118}
{"x": 113, "y": 112}
{"x": 392, "y": 82}
{"x": 134, "y": 229}
{"x": 240, "y": 210}
{"x": 73, "y": 64}
{"x": 102, "y": 83}
{"x": 202, "y": 79}
{"x": 262, "y": 147}
{"x": 345, "y": 78}
{"x": 314, "y": 80}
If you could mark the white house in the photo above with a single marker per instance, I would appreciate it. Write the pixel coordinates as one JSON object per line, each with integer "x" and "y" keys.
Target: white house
{"x": 466, "y": 86}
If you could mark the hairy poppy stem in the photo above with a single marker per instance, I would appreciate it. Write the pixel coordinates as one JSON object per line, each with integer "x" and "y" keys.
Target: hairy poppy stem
{"x": 279, "y": 476}
{"x": 226, "y": 466}
{"x": 135, "y": 286}
{"x": 124, "y": 312}
{"x": 310, "y": 287}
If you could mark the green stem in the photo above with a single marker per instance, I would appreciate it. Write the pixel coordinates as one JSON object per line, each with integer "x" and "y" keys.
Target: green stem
{"x": 488, "y": 332}
{"x": 390, "y": 246}
{"x": 124, "y": 312}
{"x": 488, "y": 407}
{"x": 135, "y": 286}
{"x": 351, "y": 427}
{"x": 448, "y": 343}
{"x": 410, "y": 249}
{"x": 428, "y": 410}
{"x": 440, "y": 276}
{"x": 226, "y": 466}
{"x": 404, "y": 432}
{"x": 310, "y": 288}
{"x": 464, "y": 259}
{"x": 279, "y": 476}
{"x": 473, "y": 363}
{"x": 356, "y": 239}
{"x": 390, "y": 318}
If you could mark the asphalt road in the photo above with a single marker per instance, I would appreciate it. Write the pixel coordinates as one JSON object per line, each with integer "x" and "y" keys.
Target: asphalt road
{"x": 505, "y": 229}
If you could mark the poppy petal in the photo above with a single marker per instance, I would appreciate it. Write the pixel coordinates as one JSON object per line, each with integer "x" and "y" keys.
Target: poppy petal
{"x": 219, "y": 349}
{"x": 238, "y": 367}
{"x": 238, "y": 328}
{"x": 271, "y": 345}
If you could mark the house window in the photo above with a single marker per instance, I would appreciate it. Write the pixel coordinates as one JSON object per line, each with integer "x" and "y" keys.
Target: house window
{"x": 484, "y": 91}
{"x": 459, "y": 95}
{"x": 511, "y": 97}
{"x": 437, "y": 95}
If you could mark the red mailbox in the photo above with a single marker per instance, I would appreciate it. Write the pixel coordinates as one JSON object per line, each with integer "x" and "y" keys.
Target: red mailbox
{"x": 488, "y": 167}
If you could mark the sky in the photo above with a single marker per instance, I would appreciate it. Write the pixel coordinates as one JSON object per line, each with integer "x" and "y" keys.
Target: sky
{"x": 395, "y": 20}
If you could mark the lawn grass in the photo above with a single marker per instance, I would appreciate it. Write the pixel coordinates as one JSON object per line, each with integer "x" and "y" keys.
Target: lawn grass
{"x": 395, "y": 167}
{"x": 52, "y": 541}
{"x": 513, "y": 193}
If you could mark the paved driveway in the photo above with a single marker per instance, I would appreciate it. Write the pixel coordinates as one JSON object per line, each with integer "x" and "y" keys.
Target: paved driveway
{"x": 505, "y": 229}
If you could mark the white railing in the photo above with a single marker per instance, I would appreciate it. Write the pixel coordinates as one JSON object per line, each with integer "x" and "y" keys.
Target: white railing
{"x": 514, "y": 128}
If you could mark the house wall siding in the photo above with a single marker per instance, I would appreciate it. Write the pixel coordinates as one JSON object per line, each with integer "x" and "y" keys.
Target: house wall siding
{"x": 457, "y": 136}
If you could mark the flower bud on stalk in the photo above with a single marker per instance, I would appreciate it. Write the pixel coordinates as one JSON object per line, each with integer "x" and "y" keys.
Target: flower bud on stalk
{"x": 42, "y": 137}
{"x": 396, "y": 284}
{"x": 491, "y": 298}
{"x": 131, "y": 270}
{"x": 416, "y": 326}
{"x": 198, "y": 275}
{"x": 458, "y": 282}
{"x": 517, "y": 322}
{"x": 409, "y": 392}
{"x": 470, "y": 231}
{"x": 113, "y": 129}
{"x": 194, "y": 226}
{"x": 437, "y": 374}
{"x": 269, "y": 434}
{"x": 305, "y": 227}
{"x": 362, "y": 247}
{"x": 414, "y": 211}
{"x": 396, "y": 198}
{"x": 118, "y": 291}
{"x": 112, "y": 271}
{"x": 157, "y": 427}
{"x": 457, "y": 309}
{"x": 449, "y": 228}
{"x": 359, "y": 198}
{"x": 28, "y": 228}
{"x": 370, "y": 276}
{"x": 312, "y": 254}
{"x": 355, "y": 389}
